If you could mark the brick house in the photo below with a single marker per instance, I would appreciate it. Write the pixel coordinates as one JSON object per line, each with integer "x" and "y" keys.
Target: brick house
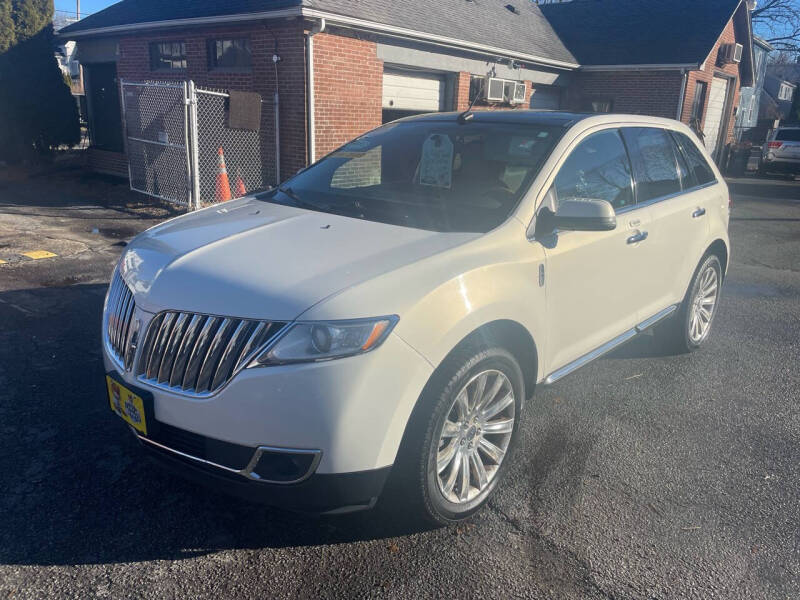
{"x": 345, "y": 67}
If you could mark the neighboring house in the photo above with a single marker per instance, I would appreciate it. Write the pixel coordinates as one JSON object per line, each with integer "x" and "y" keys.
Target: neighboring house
{"x": 346, "y": 67}
{"x": 780, "y": 88}
{"x": 746, "y": 128}
{"x": 67, "y": 57}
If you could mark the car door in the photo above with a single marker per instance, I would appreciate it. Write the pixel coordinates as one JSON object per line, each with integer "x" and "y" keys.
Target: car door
{"x": 678, "y": 228}
{"x": 591, "y": 280}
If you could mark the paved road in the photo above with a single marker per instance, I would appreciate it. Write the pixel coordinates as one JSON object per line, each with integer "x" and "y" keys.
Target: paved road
{"x": 642, "y": 476}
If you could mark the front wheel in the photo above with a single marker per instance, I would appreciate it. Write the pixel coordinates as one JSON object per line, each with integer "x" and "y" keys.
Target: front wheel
{"x": 460, "y": 438}
{"x": 691, "y": 327}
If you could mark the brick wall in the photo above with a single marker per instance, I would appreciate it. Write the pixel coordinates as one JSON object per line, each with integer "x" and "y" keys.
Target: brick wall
{"x": 348, "y": 89}
{"x": 134, "y": 64}
{"x": 653, "y": 93}
{"x": 707, "y": 74}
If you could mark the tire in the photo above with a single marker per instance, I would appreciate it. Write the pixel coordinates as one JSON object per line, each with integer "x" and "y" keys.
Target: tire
{"x": 682, "y": 333}
{"x": 420, "y": 482}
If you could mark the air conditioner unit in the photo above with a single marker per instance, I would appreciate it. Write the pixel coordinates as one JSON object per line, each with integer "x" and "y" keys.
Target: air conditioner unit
{"x": 504, "y": 90}
{"x": 731, "y": 53}
{"x": 519, "y": 93}
{"x": 495, "y": 89}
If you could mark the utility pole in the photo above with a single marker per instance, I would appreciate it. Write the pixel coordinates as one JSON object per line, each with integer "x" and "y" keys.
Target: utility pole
{"x": 78, "y": 9}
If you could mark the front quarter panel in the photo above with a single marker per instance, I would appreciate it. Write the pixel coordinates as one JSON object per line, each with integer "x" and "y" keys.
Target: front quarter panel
{"x": 443, "y": 299}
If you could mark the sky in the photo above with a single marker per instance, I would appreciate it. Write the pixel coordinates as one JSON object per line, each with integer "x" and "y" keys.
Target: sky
{"x": 87, "y": 6}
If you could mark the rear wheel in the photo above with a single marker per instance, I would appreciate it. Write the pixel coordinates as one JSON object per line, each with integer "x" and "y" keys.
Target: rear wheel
{"x": 460, "y": 438}
{"x": 691, "y": 327}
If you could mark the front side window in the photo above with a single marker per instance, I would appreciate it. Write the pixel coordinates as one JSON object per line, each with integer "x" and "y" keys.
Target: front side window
{"x": 167, "y": 56}
{"x": 597, "y": 169}
{"x": 697, "y": 164}
{"x": 230, "y": 54}
{"x": 654, "y": 162}
{"x": 433, "y": 174}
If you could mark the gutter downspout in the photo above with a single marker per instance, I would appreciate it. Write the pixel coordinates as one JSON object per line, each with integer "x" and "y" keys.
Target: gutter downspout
{"x": 681, "y": 99}
{"x": 316, "y": 27}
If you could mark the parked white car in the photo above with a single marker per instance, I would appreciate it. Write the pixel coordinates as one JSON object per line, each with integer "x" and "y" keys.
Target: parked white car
{"x": 781, "y": 151}
{"x": 391, "y": 307}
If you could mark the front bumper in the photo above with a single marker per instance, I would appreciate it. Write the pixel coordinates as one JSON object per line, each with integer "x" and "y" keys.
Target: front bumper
{"x": 347, "y": 416}
{"x": 319, "y": 493}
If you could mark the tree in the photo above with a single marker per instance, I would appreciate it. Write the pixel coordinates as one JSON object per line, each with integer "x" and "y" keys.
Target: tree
{"x": 778, "y": 22}
{"x": 8, "y": 34}
{"x": 37, "y": 110}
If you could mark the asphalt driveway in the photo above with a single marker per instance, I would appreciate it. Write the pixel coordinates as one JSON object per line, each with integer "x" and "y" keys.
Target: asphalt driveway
{"x": 644, "y": 475}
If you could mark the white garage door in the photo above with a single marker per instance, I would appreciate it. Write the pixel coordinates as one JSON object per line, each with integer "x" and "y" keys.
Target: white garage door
{"x": 716, "y": 108}
{"x": 544, "y": 97}
{"x": 412, "y": 92}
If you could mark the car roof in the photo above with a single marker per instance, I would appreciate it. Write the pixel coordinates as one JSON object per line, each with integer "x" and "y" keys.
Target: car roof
{"x": 545, "y": 117}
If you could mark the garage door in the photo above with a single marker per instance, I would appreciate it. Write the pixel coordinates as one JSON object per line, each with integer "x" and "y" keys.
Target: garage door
{"x": 544, "y": 97}
{"x": 412, "y": 92}
{"x": 716, "y": 109}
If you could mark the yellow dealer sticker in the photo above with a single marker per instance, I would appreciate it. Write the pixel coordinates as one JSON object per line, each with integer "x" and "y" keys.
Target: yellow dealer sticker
{"x": 127, "y": 405}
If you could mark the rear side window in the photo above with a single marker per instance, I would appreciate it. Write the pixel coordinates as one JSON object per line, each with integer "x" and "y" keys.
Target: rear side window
{"x": 696, "y": 161}
{"x": 788, "y": 135}
{"x": 597, "y": 169}
{"x": 654, "y": 162}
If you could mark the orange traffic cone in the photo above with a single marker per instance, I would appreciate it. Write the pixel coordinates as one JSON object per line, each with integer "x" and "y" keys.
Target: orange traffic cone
{"x": 223, "y": 185}
{"x": 238, "y": 187}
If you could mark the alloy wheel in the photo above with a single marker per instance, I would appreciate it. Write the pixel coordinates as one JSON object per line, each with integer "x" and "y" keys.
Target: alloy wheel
{"x": 703, "y": 305}
{"x": 475, "y": 436}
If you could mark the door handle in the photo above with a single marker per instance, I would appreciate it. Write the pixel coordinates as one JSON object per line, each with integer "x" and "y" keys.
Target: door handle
{"x": 638, "y": 237}
{"x": 698, "y": 213}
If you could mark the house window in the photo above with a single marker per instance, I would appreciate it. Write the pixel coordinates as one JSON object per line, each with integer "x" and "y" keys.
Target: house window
{"x": 167, "y": 56}
{"x": 785, "y": 92}
{"x": 598, "y": 105}
{"x": 699, "y": 102}
{"x": 476, "y": 84}
{"x": 229, "y": 54}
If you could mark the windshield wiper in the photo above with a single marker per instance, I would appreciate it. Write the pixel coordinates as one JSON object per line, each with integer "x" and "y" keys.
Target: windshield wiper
{"x": 288, "y": 191}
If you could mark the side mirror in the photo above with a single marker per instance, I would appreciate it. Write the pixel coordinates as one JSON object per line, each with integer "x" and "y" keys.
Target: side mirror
{"x": 577, "y": 215}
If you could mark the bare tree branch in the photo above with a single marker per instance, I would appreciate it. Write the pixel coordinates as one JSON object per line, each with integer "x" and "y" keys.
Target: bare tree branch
{"x": 778, "y": 22}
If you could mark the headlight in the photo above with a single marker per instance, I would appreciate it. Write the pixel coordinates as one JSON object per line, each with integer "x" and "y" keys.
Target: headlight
{"x": 325, "y": 340}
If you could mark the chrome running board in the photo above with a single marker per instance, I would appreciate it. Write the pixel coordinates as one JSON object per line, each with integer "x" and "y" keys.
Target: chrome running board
{"x": 609, "y": 346}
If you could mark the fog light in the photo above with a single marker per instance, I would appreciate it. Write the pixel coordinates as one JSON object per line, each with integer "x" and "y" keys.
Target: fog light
{"x": 284, "y": 467}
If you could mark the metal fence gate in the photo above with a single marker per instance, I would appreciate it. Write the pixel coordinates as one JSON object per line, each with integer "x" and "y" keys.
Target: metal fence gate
{"x": 174, "y": 132}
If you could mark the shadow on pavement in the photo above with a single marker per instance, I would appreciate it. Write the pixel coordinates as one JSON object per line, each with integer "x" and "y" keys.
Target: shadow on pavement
{"x": 77, "y": 489}
{"x": 764, "y": 188}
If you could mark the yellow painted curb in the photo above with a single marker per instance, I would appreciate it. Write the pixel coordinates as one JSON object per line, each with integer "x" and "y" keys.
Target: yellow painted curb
{"x": 37, "y": 254}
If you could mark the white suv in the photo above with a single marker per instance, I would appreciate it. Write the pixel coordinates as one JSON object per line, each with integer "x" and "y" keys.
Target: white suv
{"x": 392, "y": 306}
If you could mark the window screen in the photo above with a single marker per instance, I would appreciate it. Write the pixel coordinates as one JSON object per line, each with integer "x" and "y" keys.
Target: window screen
{"x": 167, "y": 56}
{"x": 597, "y": 169}
{"x": 697, "y": 163}
{"x": 230, "y": 54}
{"x": 654, "y": 163}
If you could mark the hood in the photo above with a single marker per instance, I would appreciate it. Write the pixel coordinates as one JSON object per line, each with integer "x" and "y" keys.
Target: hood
{"x": 254, "y": 259}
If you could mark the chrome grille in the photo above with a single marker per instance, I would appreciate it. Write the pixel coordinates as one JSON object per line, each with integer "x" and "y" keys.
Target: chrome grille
{"x": 198, "y": 353}
{"x": 120, "y": 326}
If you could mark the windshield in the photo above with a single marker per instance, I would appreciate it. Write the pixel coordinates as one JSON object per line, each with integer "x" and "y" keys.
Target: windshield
{"x": 435, "y": 175}
{"x": 788, "y": 135}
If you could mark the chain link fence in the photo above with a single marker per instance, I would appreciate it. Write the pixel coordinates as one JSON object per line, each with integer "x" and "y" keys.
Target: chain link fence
{"x": 241, "y": 148}
{"x": 157, "y": 131}
{"x": 174, "y": 133}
